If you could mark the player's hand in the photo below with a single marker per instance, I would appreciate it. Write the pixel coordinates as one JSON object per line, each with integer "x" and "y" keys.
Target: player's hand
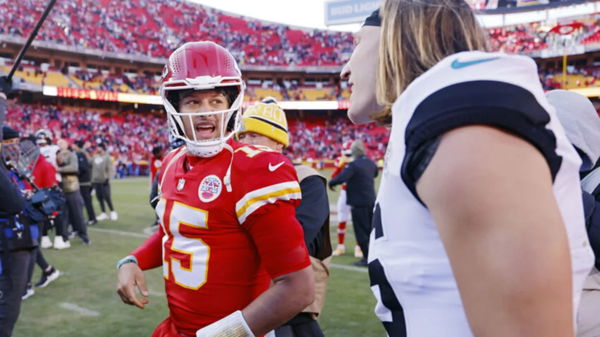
{"x": 131, "y": 277}
{"x": 331, "y": 187}
{"x": 5, "y": 85}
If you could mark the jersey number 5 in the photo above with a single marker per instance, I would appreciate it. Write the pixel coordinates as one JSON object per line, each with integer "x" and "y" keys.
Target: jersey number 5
{"x": 186, "y": 257}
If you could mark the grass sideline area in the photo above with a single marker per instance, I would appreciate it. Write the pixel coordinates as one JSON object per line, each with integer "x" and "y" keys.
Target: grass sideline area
{"x": 83, "y": 301}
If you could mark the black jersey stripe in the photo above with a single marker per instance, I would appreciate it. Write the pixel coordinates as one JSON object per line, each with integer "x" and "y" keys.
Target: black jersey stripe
{"x": 493, "y": 103}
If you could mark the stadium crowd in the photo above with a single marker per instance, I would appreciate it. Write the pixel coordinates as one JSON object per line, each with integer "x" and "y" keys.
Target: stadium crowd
{"x": 284, "y": 90}
{"x": 154, "y": 29}
{"x": 322, "y": 139}
{"x": 130, "y": 143}
{"x": 126, "y": 135}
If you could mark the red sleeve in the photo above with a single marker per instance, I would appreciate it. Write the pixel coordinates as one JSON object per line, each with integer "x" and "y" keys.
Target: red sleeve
{"x": 279, "y": 239}
{"x": 44, "y": 173}
{"x": 338, "y": 170}
{"x": 276, "y": 181}
{"x": 149, "y": 254}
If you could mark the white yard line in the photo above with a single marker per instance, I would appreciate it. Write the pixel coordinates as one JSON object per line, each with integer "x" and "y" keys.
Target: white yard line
{"x": 118, "y": 232}
{"x": 80, "y": 310}
{"x": 351, "y": 268}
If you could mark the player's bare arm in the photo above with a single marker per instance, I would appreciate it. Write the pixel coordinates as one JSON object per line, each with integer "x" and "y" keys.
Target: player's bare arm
{"x": 490, "y": 192}
{"x": 289, "y": 294}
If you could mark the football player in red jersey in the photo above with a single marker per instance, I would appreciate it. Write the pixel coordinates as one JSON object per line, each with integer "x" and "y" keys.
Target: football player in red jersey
{"x": 227, "y": 213}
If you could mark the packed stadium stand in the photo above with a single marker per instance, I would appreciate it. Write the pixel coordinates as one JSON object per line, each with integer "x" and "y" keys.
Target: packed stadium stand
{"x": 131, "y": 136}
{"x": 119, "y": 46}
{"x": 140, "y": 27}
{"x": 156, "y": 28}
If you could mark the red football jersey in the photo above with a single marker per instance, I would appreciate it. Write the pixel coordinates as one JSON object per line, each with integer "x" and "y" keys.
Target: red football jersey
{"x": 215, "y": 254}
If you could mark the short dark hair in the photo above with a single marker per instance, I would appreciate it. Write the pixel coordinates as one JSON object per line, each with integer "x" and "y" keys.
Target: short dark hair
{"x": 157, "y": 150}
{"x": 79, "y": 143}
{"x": 229, "y": 92}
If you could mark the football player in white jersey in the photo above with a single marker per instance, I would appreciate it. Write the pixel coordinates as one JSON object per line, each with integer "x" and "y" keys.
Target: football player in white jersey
{"x": 44, "y": 140}
{"x": 478, "y": 227}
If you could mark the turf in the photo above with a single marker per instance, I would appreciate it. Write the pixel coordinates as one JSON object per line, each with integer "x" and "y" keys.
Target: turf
{"x": 83, "y": 301}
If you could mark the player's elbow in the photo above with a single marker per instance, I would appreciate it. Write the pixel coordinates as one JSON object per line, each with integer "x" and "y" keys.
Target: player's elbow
{"x": 301, "y": 289}
{"x": 305, "y": 288}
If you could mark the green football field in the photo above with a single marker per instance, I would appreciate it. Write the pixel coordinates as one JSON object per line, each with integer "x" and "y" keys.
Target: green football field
{"x": 83, "y": 301}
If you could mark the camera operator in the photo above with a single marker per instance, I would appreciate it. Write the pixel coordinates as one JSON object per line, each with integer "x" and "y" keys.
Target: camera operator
{"x": 41, "y": 187}
{"x": 14, "y": 262}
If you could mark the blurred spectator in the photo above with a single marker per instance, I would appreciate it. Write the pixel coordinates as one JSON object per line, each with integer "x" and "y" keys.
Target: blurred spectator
{"x": 85, "y": 179}
{"x": 102, "y": 171}
{"x": 68, "y": 167}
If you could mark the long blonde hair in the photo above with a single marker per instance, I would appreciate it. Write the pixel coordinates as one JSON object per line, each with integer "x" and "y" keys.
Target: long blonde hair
{"x": 417, "y": 34}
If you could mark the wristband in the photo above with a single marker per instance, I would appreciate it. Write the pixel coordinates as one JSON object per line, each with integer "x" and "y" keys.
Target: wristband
{"x": 233, "y": 325}
{"x": 127, "y": 259}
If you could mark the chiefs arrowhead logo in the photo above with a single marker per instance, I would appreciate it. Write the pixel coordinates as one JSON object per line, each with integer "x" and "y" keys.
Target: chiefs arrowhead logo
{"x": 210, "y": 188}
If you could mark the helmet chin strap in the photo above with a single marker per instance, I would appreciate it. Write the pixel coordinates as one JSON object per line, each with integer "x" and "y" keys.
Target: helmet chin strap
{"x": 203, "y": 150}
{"x": 227, "y": 178}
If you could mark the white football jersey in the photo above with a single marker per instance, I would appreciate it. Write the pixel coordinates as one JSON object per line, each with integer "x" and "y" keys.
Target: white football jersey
{"x": 410, "y": 272}
{"x": 49, "y": 152}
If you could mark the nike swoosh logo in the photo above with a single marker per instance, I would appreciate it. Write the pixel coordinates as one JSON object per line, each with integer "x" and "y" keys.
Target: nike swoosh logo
{"x": 272, "y": 167}
{"x": 456, "y": 64}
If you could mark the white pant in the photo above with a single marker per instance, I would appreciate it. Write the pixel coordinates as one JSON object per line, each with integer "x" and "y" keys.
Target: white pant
{"x": 343, "y": 210}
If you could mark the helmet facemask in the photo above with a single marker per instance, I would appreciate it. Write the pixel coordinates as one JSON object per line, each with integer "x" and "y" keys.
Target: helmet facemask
{"x": 202, "y": 66}
{"x": 228, "y": 120}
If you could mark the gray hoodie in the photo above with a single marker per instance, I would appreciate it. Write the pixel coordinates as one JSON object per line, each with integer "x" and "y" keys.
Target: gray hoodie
{"x": 101, "y": 168}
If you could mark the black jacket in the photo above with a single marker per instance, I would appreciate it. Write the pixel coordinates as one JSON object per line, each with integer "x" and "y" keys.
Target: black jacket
{"x": 17, "y": 231}
{"x": 83, "y": 166}
{"x": 11, "y": 199}
{"x": 313, "y": 215}
{"x": 359, "y": 176}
